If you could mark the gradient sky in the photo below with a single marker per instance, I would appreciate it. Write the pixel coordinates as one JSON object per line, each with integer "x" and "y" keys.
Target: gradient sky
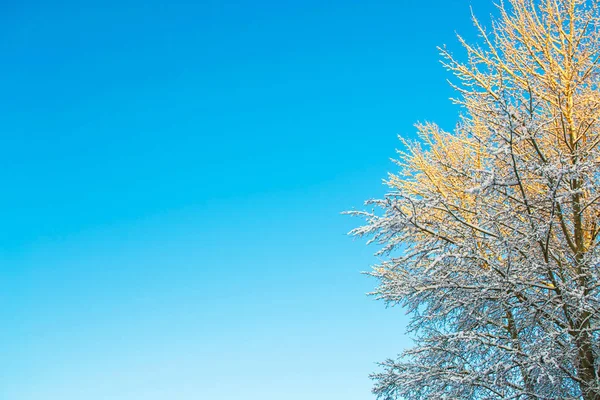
{"x": 172, "y": 181}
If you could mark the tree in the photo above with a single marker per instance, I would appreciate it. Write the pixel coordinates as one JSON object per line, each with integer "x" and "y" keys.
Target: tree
{"x": 490, "y": 234}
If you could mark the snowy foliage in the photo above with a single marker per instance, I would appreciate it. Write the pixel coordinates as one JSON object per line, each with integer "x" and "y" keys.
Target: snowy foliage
{"x": 489, "y": 234}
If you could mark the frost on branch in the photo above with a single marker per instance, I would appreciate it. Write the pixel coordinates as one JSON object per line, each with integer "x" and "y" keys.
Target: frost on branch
{"x": 489, "y": 234}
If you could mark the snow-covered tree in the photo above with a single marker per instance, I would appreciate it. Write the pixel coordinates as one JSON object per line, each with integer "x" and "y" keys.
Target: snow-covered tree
{"x": 490, "y": 234}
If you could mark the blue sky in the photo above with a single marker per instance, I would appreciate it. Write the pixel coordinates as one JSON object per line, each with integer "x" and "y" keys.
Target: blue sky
{"x": 173, "y": 176}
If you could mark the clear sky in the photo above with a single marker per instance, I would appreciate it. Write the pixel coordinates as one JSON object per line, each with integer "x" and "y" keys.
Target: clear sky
{"x": 172, "y": 180}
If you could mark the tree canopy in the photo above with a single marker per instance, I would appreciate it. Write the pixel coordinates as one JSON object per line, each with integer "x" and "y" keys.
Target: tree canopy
{"x": 489, "y": 234}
